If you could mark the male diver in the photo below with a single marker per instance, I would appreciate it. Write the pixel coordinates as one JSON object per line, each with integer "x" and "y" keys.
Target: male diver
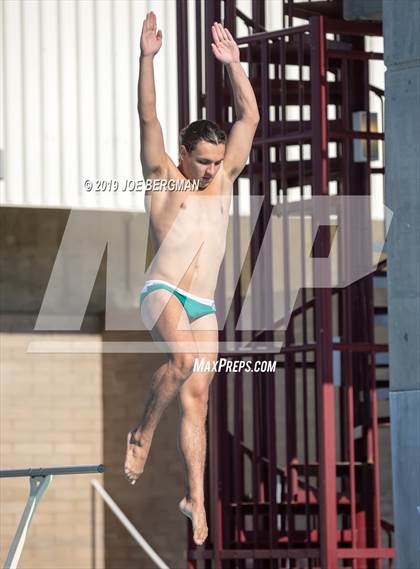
{"x": 188, "y": 233}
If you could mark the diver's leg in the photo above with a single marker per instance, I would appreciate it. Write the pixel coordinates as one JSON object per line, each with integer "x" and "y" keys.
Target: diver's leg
{"x": 193, "y": 399}
{"x": 172, "y": 328}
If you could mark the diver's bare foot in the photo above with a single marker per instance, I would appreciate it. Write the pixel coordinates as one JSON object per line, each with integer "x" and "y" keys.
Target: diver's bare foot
{"x": 197, "y": 515}
{"x": 137, "y": 451}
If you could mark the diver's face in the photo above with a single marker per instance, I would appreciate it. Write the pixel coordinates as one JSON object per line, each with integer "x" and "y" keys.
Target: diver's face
{"x": 203, "y": 162}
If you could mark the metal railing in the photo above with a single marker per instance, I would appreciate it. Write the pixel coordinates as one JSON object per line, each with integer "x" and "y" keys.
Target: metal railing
{"x": 135, "y": 534}
{"x": 39, "y": 480}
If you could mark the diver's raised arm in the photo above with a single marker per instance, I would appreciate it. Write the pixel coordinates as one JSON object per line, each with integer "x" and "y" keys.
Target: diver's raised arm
{"x": 152, "y": 148}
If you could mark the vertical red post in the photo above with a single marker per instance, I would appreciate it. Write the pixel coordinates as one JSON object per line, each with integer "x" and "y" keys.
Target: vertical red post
{"x": 323, "y": 320}
{"x": 213, "y": 90}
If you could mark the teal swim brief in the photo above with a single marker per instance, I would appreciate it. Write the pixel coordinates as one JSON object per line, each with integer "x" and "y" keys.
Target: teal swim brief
{"x": 194, "y": 306}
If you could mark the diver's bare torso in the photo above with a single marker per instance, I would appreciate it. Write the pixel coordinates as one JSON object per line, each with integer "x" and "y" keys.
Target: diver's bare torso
{"x": 188, "y": 232}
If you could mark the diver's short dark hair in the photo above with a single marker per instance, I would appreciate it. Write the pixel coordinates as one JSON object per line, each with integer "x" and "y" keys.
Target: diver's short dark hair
{"x": 202, "y": 129}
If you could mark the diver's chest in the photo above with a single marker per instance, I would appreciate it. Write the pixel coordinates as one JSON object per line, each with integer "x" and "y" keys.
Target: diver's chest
{"x": 211, "y": 208}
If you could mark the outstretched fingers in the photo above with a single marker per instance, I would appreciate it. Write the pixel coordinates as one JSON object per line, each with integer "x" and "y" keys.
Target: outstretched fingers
{"x": 146, "y": 22}
{"x": 221, "y": 31}
{"x": 150, "y": 21}
{"x": 217, "y": 34}
{"x": 214, "y": 34}
{"x": 229, "y": 35}
{"x": 216, "y": 50}
{"x": 154, "y": 23}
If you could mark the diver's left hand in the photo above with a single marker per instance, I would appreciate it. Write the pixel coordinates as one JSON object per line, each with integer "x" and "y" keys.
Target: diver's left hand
{"x": 224, "y": 47}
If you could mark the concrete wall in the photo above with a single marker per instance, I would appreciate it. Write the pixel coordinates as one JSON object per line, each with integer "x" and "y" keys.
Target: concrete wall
{"x": 402, "y": 87}
{"x": 362, "y": 9}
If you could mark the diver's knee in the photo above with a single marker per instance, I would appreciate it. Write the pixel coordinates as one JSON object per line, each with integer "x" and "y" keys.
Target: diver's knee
{"x": 183, "y": 365}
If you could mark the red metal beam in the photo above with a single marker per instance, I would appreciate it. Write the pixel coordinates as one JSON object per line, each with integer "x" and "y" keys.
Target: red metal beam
{"x": 323, "y": 315}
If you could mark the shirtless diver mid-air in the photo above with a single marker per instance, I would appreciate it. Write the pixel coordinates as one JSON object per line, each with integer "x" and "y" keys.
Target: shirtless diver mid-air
{"x": 188, "y": 234}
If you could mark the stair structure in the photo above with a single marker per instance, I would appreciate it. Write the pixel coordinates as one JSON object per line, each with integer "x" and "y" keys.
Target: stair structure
{"x": 293, "y": 474}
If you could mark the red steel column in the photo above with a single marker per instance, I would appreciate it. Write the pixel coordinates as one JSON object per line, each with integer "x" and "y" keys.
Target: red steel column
{"x": 323, "y": 312}
{"x": 214, "y": 96}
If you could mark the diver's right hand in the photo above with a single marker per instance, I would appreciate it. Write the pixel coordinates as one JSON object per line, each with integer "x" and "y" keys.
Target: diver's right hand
{"x": 150, "y": 40}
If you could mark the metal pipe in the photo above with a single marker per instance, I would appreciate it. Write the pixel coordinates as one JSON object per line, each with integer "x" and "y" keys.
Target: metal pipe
{"x": 54, "y": 470}
{"x": 132, "y": 530}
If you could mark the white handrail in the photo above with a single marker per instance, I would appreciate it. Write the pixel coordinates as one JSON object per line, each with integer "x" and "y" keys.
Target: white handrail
{"x": 129, "y": 526}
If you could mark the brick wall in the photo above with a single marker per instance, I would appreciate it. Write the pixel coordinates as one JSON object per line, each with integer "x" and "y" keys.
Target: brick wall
{"x": 51, "y": 415}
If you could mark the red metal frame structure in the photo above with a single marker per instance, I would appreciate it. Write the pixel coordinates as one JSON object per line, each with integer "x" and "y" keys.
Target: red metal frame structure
{"x": 293, "y": 477}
